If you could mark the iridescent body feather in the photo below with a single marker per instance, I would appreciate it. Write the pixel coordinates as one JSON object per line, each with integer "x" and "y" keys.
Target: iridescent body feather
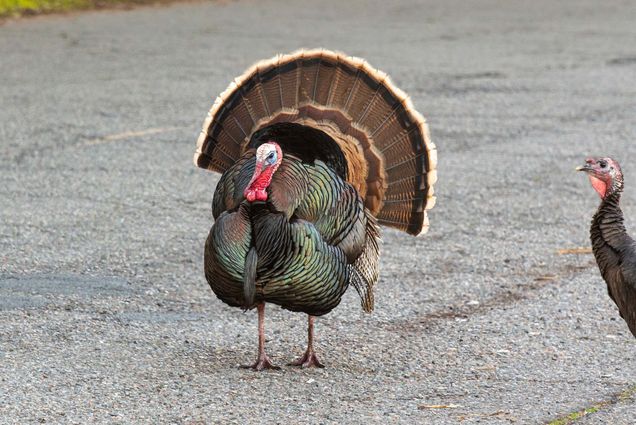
{"x": 307, "y": 237}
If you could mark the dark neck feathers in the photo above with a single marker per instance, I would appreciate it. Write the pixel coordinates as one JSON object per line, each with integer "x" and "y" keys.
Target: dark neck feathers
{"x": 607, "y": 224}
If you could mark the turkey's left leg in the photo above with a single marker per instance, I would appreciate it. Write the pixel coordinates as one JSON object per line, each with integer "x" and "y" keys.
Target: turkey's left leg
{"x": 309, "y": 359}
{"x": 263, "y": 361}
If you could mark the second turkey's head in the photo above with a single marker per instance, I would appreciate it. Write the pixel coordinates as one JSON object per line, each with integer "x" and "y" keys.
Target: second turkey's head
{"x": 605, "y": 175}
{"x": 268, "y": 159}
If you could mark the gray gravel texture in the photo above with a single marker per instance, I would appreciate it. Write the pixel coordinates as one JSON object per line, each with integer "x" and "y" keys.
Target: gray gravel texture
{"x": 105, "y": 315}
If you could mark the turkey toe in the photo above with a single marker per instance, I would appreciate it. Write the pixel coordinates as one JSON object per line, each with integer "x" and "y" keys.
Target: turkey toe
{"x": 309, "y": 359}
{"x": 262, "y": 363}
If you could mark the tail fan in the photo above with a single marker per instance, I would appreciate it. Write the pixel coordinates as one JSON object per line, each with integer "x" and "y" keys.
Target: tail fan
{"x": 385, "y": 141}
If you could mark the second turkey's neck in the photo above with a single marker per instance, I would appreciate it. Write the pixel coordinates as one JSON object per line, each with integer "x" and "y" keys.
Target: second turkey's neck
{"x": 607, "y": 224}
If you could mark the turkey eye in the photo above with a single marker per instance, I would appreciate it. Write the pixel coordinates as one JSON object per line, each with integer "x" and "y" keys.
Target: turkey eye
{"x": 270, "y": 156}
{"x": 603, "y": 164}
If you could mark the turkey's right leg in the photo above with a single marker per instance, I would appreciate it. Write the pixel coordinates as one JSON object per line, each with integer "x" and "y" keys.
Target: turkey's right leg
{"x": 263, "y": 361}
{"x": 309, "y": 359}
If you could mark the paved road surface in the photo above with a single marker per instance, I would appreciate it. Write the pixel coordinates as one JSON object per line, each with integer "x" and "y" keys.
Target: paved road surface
{"x": 105, "y": 315}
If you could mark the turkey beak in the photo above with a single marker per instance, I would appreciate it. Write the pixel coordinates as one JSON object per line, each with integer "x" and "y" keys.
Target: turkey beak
{"x": 588, "y": 167}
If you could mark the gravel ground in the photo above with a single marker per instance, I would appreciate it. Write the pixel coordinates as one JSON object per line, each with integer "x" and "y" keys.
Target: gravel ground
{"x": 105, "y": 315}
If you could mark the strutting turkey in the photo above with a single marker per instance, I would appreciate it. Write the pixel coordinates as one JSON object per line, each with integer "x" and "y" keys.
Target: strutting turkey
{"x": 614, "y": 249}
{"x": 316, "y": 148}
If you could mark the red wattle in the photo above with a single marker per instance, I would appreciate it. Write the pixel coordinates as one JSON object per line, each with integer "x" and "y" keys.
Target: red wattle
{"x": 599, "y": 185}
{"x": 257, "y": 189}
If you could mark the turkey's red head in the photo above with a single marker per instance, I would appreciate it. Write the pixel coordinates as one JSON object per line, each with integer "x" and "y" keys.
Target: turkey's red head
{"x": 268, "y": 159}
{"x": 605, "y": 175}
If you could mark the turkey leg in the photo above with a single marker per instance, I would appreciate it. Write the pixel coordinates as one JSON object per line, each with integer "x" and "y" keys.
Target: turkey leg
{"x": 309, "y": 359}
{"x": 263, "y": 361}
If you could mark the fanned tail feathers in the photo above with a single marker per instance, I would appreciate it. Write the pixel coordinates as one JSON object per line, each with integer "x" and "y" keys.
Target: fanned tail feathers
{"x": 389, "y": 156}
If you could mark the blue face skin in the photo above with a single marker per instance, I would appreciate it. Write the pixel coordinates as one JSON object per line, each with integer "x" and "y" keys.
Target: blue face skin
{"x": 271, "y": 158}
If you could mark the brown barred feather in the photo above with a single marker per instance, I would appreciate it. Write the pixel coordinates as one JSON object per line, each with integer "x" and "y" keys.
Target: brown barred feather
{"x": 365, "y": 271}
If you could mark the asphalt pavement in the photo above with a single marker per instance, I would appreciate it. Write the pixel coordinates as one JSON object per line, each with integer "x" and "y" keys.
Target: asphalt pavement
{"x": 105, "y": 315}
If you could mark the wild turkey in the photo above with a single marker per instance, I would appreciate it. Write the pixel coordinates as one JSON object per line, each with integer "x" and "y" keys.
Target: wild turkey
{"x": 614, "y": 249}
{"x": 315, "y": 148}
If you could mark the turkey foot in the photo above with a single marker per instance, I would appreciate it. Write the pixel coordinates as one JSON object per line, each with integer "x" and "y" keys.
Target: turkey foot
{"x": 262, "y": 362}
{"x": 309, "y": 359}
